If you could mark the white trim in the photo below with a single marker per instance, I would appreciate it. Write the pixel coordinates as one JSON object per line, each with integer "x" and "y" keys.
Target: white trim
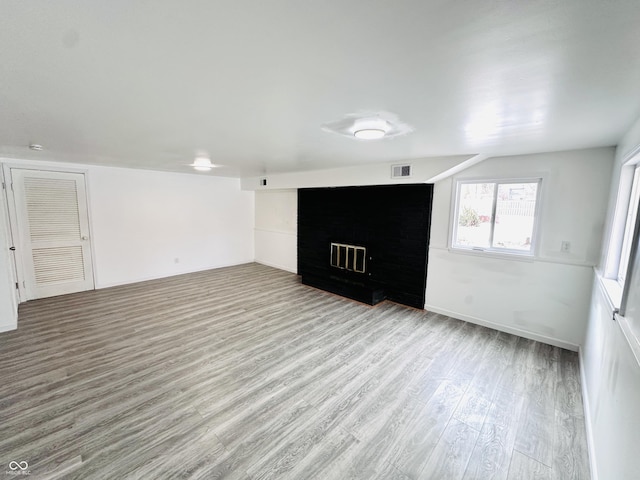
{"x": 611, "y": 291}
{"x": 628, "y": 159}
{"x": 273, "y": 265}
{"x": 11, "y": 255}
{"x": 42, "y": 166}
{"x": 87, "y": 195}
{"x": 489, "y": 254}
{"x": 7, "y": 327}
{"x": 620, "y": 211}
{"x": 173, "y": 274}
{"x": 591, "y": 448}
{"x": 504, "y": 328}
{"x": 15, "y": 240}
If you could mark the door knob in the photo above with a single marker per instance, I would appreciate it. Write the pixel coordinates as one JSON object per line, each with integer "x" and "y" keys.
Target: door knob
{"x": 84, "y": 237}
{"x": 13, "y": 249}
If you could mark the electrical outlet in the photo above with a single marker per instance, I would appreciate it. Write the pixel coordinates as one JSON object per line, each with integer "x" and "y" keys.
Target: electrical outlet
{"x": 565, "y": 246}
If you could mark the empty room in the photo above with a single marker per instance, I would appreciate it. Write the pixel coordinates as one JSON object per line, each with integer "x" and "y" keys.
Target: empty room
{"x": 320, "y": 240}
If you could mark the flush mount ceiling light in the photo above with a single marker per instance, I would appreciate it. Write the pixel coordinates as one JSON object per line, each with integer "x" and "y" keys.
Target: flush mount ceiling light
{"x": 202, "y": 164}
{"x": 369, "y": 134}
{"x": 368, "y": 126}
{"x": 36, "y": 147}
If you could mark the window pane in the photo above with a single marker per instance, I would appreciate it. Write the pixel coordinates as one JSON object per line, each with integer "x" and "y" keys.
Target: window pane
{"x": 474, "y": 214}
{"x": 515, "y": 215}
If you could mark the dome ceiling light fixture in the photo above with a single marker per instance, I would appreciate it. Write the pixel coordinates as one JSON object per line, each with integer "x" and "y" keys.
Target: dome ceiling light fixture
{"x": 202, "y": 163}
{"x": 369, "y": 134}
{"x": 368, "y": 126}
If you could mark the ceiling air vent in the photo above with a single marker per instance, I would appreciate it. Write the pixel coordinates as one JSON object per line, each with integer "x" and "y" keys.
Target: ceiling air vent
{"x": 401, "y": 171}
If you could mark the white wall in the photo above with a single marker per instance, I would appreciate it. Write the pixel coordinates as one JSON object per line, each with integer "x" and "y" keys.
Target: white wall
{"x": 147, "y": 224}
{"x": 611, "y": 373}
{"x": 276, "y": 229}
{"x": 545, "y": 299}
{"x": 154, "y": 224}
{"x": 611, "y": 391}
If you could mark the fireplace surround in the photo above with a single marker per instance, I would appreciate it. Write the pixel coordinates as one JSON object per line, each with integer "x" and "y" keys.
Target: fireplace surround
{"x": 366, "y": 243}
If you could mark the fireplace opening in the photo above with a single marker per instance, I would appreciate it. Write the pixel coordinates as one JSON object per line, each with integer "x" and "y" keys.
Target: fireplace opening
{"x": 348, "y": 257}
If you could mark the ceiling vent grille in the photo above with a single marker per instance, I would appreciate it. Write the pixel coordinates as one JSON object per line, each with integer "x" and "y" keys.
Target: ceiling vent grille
{"x": 401, "y": 171}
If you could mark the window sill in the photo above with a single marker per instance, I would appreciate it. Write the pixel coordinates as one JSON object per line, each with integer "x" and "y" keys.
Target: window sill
{"x": 612, "y": 290}
{"x": 493, "y": 254}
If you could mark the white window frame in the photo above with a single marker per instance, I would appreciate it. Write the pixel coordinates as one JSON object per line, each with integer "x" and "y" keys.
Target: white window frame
{"x": 493, "y": 251}
{"x": 628, "y": 228}
{"x": 614, "y": 285}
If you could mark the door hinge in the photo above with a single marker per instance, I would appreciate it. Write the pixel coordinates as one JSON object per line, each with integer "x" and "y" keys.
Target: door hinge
{"x": 17, "y": 285}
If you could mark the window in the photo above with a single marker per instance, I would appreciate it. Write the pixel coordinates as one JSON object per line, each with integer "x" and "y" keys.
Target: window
{"x": 620, "y": 241}
{"x": 632, "y": 213}
{"x": 496, "y": 215}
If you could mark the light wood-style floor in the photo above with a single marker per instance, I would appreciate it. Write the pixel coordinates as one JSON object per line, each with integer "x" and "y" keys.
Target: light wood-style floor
{"x": 244, "y": 373}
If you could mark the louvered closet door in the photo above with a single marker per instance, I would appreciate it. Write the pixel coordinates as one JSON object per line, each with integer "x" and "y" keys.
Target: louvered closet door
{"x": 53, "y": 227}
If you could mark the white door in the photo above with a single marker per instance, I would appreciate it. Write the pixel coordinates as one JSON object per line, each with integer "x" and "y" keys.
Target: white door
{"x": 8, "y": 242}
{"x": 53, "y": 232}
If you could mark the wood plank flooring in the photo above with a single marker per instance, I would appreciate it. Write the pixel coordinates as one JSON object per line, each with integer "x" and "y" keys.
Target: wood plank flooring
{"x": 244, "y": 373}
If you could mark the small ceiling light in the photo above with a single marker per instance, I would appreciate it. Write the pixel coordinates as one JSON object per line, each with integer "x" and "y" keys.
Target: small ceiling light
{"x": 369, "y": 133}
{"x": 202, "y": 164}
{"x": 36, "y": 147}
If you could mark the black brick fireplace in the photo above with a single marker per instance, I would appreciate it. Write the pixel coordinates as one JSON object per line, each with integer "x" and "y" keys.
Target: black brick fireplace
{"x": 366, "y": 243}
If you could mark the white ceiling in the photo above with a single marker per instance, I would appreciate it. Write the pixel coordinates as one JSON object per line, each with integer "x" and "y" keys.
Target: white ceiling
{"x": 147, "y": 83}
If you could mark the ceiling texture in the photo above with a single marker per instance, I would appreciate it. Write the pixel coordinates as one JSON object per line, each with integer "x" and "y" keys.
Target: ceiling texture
{"x": 253, "y": 83}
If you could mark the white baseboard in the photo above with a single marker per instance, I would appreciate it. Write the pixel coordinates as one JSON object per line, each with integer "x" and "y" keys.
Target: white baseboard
{"x": 101, "y": 285}
{"x": 7, "y": 327}
{"x": 556, "y": 342}
{"x": 279, "y": 267}
{"x": 587, "y": 419}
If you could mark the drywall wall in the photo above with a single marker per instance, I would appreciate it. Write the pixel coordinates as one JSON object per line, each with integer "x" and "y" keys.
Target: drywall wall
{"x": 545, "y": 298}
{"x": 8, "y": 304}
{"x": 154, "y": 224}
{"x": 148, "y": 224}
{"x": 611, "y": 373}
{"x": 611, "y": 391}
{"x": 276, "y": 224}
{"x": 374, "y": 174}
